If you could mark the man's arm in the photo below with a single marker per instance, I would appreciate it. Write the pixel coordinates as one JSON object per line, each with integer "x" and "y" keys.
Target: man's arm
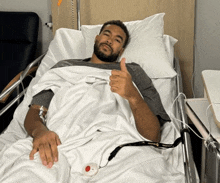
{"x": 146, "y": 122}
{"x": 44, "y": 140}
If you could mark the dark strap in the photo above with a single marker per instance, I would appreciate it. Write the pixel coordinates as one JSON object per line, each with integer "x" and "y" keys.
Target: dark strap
{"x": 149, "y": 143}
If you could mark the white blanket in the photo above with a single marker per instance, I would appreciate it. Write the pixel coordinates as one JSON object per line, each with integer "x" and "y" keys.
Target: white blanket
{"x": 91, "y": 122}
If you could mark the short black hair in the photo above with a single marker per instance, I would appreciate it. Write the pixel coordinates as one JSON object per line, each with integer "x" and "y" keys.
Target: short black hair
{"x": 121, "y": 25}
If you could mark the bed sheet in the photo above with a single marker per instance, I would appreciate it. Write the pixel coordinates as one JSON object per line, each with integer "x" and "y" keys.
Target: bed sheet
{"x": 15, "y": 131}
{"x": 166, "y": 89}
{"x": 170, "y": 158}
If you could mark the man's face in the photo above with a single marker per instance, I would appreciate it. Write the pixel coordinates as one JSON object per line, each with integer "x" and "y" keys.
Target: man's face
{"x": 109, "y": 43}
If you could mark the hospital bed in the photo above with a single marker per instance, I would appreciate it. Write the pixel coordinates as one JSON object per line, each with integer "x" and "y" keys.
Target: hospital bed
{"x": 164, "y": 71}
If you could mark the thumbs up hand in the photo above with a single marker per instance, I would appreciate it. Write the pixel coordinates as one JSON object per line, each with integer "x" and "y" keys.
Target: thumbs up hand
{"x": 121, "y": 82}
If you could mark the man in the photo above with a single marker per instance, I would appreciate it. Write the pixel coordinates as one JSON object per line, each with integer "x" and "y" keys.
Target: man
{"x": 109, "y": 46}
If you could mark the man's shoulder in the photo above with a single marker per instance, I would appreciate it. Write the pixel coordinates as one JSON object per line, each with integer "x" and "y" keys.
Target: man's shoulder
{"x": 134, "y": 66}
{"x": 137, "y": 71}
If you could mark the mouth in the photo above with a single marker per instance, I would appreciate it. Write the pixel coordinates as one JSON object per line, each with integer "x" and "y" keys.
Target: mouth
{"x": 106, "y": 46}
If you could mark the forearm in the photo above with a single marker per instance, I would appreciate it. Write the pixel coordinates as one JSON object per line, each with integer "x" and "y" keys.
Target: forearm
{"x": 33, "y": 123}
{"x": 44, "y": 140}
{"x": 146, "y": 122}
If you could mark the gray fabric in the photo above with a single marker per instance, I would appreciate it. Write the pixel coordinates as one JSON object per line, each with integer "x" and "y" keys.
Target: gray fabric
{"x": 43, "y": 98}
{"x": 139, "y": 77}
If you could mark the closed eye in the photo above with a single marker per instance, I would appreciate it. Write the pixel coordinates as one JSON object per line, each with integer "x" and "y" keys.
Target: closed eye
{"x": 106, "y": 34}
{"x": 119, "y": 41}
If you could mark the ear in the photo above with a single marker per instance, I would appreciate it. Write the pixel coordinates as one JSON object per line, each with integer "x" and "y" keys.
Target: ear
{"x": 97, "y": 36}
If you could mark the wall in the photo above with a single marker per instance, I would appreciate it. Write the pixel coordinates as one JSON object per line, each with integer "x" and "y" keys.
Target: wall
{"x": 207, "y": 40}
{"x": 42, "y": 8}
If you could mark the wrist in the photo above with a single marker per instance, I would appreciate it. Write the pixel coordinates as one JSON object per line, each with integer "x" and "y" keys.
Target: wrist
{"x": 38, "y": 131}
{"x": 136, "y": 99}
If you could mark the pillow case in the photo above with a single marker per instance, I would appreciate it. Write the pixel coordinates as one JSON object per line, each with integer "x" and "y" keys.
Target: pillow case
{"x": 66, "y": 44}
{"x": 169, "y": 43}
{"x": 146, "y": 46}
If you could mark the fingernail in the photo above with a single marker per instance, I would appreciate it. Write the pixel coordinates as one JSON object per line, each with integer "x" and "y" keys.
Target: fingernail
{"x": 50, "y": 165}
{"x": 55, "y": 159}
{"x": 45, "y": 163}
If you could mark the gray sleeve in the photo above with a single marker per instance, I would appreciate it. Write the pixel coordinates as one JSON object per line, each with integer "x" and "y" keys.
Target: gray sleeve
{"x": 43, "y": 98}
{"x": 149, "y": 92}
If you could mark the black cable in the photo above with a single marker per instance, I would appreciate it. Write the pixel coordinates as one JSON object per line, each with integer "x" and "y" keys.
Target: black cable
{"x": 149, "y": 143}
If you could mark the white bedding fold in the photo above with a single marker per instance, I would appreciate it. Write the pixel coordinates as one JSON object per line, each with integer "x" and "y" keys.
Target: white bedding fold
{"x": 91, "y": 122}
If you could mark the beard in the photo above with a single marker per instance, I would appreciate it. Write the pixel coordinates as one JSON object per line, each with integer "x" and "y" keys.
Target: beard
{"x": 102, "y": 56}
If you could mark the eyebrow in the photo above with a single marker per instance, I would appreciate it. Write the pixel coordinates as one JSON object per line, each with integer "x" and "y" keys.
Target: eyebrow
{"x": 116, "y": 35}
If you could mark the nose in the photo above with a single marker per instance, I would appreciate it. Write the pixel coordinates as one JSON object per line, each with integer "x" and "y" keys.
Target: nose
{"x": 109, "y": 41}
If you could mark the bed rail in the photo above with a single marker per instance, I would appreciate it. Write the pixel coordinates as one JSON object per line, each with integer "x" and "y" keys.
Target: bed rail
{"x": 15, "y": 85}
{"x": 190, "y": 169}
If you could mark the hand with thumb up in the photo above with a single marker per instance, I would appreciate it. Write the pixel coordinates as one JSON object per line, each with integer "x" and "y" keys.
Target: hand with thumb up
{"x": 121, "y": 83}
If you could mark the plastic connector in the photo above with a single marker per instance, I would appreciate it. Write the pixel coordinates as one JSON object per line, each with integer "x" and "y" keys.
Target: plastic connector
{"x": 49, "y": 24}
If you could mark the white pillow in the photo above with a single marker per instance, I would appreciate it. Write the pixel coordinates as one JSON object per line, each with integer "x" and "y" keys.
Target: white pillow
{"x": 169, "y": 43}
{"x": 145, "y": 48}
{"x": 67, "y": 44}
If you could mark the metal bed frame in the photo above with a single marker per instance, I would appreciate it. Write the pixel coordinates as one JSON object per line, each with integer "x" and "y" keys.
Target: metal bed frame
{"x": 16, "y": 85}
{"x": 190, "y": 169}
